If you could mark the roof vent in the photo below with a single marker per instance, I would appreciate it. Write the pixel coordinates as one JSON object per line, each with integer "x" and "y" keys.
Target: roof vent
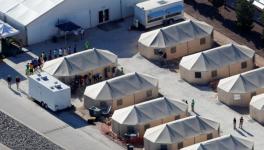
{"x": 45, "y": 78}
{"x": 58, "y": 87}
{"x": 162, "y": 2}
{"x": 38, "y": 79}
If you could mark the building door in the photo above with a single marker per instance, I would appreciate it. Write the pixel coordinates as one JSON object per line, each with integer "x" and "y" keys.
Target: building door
{"x": 103, "y": 16}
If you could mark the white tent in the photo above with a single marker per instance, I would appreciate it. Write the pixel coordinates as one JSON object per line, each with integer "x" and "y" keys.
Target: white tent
{"x": 238, "y": 90}
{"x": 129, "y": 89}
{"x": 177, "y": 33}
{"x": 80, "y": 63}
{"x": 216, "y": 58}
{"x": 180, "y": 133}
{"x": 29, "y": 16}
{"x": 227, "y": 142}
{"x": 26, "y": 11}
{"x": 120, "y": 86}
{"x": 145, "y": 112}
{"x": 6, "y": 30}
{"x": 257, "y": 108}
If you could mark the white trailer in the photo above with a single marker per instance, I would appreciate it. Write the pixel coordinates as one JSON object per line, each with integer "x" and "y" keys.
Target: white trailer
{"x": 156, "y": 12}
{"x": 49, "y": 91}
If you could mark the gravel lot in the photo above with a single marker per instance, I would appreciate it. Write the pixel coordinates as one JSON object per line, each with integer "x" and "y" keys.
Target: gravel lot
{"x": 17, "y": 136}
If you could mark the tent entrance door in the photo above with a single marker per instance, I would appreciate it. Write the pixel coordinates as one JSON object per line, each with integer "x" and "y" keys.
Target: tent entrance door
{"x": 103, "y": 16}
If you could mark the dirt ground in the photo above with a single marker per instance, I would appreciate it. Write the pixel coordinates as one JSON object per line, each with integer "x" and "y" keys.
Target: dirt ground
{"x": 224, "y": 21}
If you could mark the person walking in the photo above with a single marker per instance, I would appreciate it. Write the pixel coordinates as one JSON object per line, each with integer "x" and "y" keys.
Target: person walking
{"x": 9, "y": 80}
{"x": 17, "y": 82}
{"x": 192, "y": 105}
{"x": 55, "y": 53}
{"x": 234, "y": 123}
{"x": 60, "y": 52}
{"x": 241, "y": 122}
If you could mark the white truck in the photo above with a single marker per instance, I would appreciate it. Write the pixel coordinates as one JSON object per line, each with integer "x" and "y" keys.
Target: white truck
{"x": 157, "y": 12}
{"x": 49, "y": 91}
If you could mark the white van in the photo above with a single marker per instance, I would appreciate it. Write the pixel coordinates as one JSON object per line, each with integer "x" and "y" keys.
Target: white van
{"x": 49, "y": 91}
{"x": 156, "y": 12}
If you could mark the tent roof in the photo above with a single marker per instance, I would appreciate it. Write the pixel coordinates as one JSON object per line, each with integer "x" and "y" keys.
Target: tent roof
{"x": 147, "y": 111}
{"x": 80, "y": 62}
{"x": 243, "y": 83}
{"x": 258, "y": 102}
{"x": 176, "y": 33}
{"x": 217, "y": 57}
{"x": 177, "y": 131}
{"x": 26, "y": 11}
{"x": 228, "y": 142}
{"x": 118, "y": 87}
{"x": 6, "y": 30}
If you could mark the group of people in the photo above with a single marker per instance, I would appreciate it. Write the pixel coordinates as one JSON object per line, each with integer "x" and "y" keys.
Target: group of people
{"x": 9, "y": 81}
{"x": 241, "y": 121}
{"x": 36, "y": 64}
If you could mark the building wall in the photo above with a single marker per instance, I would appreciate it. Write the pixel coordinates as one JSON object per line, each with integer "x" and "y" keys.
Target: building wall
{"x": 121, "y": 129}
{"x": 223, "y": 72}
{"x": 127, "y": 100}
{"x": 182, "y": 49}
{"x": 228, "y": 98}
{"x": 100, "y": 70}
{"x": 186, "y": 142}
{"x": 256, "y": 114}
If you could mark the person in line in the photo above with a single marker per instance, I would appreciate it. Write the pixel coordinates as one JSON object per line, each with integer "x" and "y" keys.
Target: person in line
{"x": 234, "y": 123}
{"x": 241, "y": 122}
{"x": 60, "y": 52}
{"x": 9, "y": 80}
{"x": 17, "y": 82}
{"x": 55, "y": 53}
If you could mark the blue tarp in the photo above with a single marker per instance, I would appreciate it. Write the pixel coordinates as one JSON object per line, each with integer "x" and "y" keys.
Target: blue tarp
{"x": 68, "y": 26}
{"x": 156, "y": 14}
{"x": 6, "y": 30}
{"x": 175, "y": 9}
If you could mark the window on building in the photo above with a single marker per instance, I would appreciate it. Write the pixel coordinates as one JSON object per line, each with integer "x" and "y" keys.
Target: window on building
{"x": 119, "y": 102}
{"x": 159, "y": 51}
{"x": 173, "y": 50}
{"x": 103, "y": 104}
{"x": 244, "y": 65}
{"x": 146, "y": 126}
{"x": 163, "y": 147}
{"x": 149, "y": 93}
{"x": 180, "y": 145}
{"x": 202, "y": 41}
{"x": 214, "y": 73}
{"x": 253, "y": 94}
{"x": 209, "y": 136}
{"x": 198, "y": 75}
{"x": 177, "y": 117}
{"x": 130, "y": 129}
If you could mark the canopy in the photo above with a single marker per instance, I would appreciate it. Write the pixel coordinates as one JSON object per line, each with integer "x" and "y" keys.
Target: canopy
{"x": 243, "y": 83}
{"x": 258, "y": 102}
{"x": 68, "y": 26}
{"x": 177, "y": 131}
{"x": 228, "y": 142}
{"x": 151, "y": 110}
{"x": 217, "y": 57}
{"x": 177, "y": 33}
{"x": 6, "y": 30}
{"x": 121, "y": 86}
{"x": 78, "y": 63}
{"x": 26, "y": 11}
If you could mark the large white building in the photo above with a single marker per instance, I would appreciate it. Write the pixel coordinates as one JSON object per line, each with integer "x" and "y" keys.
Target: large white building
{"x": 36, "y": 19}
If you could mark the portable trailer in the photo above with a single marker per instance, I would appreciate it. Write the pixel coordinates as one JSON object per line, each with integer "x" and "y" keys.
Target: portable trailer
{"x": 157, "y": 12}
{"x": 49, "y": 91}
